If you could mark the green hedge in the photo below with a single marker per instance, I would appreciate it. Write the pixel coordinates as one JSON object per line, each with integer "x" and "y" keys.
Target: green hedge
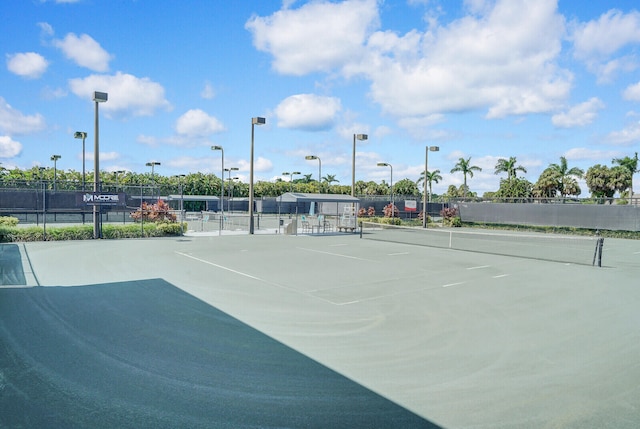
{"x": 85, "y": 232}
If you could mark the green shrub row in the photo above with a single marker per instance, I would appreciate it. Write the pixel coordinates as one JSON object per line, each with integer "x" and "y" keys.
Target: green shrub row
{"x": 85, "y": 232}
{"x": 8, "y": 221}
{"x": 634, "y": 235}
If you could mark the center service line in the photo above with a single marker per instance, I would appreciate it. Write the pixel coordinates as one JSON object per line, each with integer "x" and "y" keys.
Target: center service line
{"x": 221, "y": 267}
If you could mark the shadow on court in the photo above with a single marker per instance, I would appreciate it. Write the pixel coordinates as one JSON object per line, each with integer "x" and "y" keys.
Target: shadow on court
{"x": 11, "y": 272}
{"x": 146, "y": 354}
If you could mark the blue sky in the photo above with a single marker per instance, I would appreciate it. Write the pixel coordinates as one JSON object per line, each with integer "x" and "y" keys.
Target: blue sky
{"x": 534, "y": 79}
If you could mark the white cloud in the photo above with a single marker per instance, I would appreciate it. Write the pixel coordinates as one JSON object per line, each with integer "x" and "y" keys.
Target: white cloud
{"x": 28, "y": 64}
{"x": 318, "y": 36}
{"x": 307, "y": 111}
{"x": 625, "y": 137}
{"x": 84, "y": 51}
{"x": 46, "y": 29}
{"x": 579, "y": 115}
{"x": 104, "y": 156}
{"x": 208, "y": 93}
{"x": 259, "y": 164}
{"x": 581, "y": 153}
{"x": 128, "y": 94}
{"x": 602, "y": 38}
{"x": 596, "y": 41}
{"x": 503, "y": 58}
{"x": 197, "y": 123}
{"x": 14, "y": 122}
{"x": 632, "y": 92}
{"x": 9, "y": 147}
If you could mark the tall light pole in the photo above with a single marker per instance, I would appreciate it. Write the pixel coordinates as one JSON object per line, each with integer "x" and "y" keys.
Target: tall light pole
{"x": 254, "y": 121}
{"x": 98, "y": 97}
{"x": 82, "y": 135}
{"x": 180, "y": 179}
{"x": 424, "y": 191}
{"x": 286, "y": 173}
{"x": 312, "y": 157}
{"x": 152, "y": 164}
{"x": 353, "y": 162}
{"x": 229, "y": 170}
{"x": 55, "y": 159}
{"x": 221, "y": 189}
{"x": 386, "y": 164}
{"x": 116, "y": 173}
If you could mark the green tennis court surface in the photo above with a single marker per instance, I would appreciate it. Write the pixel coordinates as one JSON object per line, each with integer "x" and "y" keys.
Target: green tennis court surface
{"x": 400, "y": 334}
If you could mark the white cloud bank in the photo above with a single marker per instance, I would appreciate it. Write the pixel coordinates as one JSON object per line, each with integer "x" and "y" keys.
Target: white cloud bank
{"x": 84, "y": 51}
{"x": 128, "y": 95}
{"x": 9, "y": 148}
{"x": 308, "y": 111}
{"x": 14, "y": 122}
{"x": 579, "y": 115}
{"x": 197, "y": 123}
{"x": 501, "y": 58}
{"x": 29, "y": 65}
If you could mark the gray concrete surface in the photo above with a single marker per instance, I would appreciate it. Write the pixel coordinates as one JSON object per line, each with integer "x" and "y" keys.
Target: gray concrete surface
{"x": 464, "y": 340}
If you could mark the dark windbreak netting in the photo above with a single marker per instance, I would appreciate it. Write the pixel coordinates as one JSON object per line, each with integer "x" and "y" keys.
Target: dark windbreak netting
{"x": 551, "y": 247}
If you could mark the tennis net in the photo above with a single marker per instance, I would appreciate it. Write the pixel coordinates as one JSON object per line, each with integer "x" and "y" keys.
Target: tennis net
{"x": 550, "y": 247}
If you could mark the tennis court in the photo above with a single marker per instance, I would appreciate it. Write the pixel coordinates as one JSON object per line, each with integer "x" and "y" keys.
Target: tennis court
{"x": 320, "y": 331}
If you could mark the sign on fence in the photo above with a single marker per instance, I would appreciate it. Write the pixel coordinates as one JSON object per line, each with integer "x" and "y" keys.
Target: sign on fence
{"x": 100, "y": 199}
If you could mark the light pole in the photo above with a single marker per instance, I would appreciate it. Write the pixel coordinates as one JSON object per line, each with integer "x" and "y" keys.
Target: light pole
{"x": 229, "y": 170}
{"x": 98, "y": 97}
{"x": 312, "y": 157}
{"x": 286, "y": 173}
{"x": 424, "y": 191}
{"x": 181, "y": 178}
{"x": 386, "y": 164}
{"x": 254, "y": 121}
{"x": 221, "y": 189}
{"x": 353, "y": 162}
{"x": 82, "y": 135}
{"x": 231, "y": 182}
{"x": 116, "y": 173}
{"x": 55, "y": 159}
{"x": 152, "y": 164}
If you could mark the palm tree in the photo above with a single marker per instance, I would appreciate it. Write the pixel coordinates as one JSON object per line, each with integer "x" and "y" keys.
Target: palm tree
{"x": 567, "y": 175}
{"x": 432, "y": 176}
{"x": 509, "y": 166}
{"x": 630, "y": 164}
{"x": 464, "y": 166}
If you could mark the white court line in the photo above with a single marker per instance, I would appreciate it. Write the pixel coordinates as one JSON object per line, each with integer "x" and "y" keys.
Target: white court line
{"x": 221, "y": 267}
{"x": 479, "y": 267}
{"x": 334, "y": 254}
{"x": 453, "y": 284}
{"x": 257, "y": 278}
{"x": 338, "y": 245}
{"x": 389, "y": 295}
{"x": 500, "y": 276}
{"x": 397, "y": 254}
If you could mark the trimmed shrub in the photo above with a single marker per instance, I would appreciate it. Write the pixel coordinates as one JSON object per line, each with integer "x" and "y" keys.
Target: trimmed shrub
{"x": 8, "y": 221}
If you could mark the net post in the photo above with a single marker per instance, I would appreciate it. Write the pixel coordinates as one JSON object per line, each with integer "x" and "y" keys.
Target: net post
{"x": 601, "y": 245}
{"x": 597, "y": 254}
{"x": 360, "y": 224}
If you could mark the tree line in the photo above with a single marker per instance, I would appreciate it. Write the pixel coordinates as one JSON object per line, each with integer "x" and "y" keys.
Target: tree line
{"x": 558, "y": 179}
